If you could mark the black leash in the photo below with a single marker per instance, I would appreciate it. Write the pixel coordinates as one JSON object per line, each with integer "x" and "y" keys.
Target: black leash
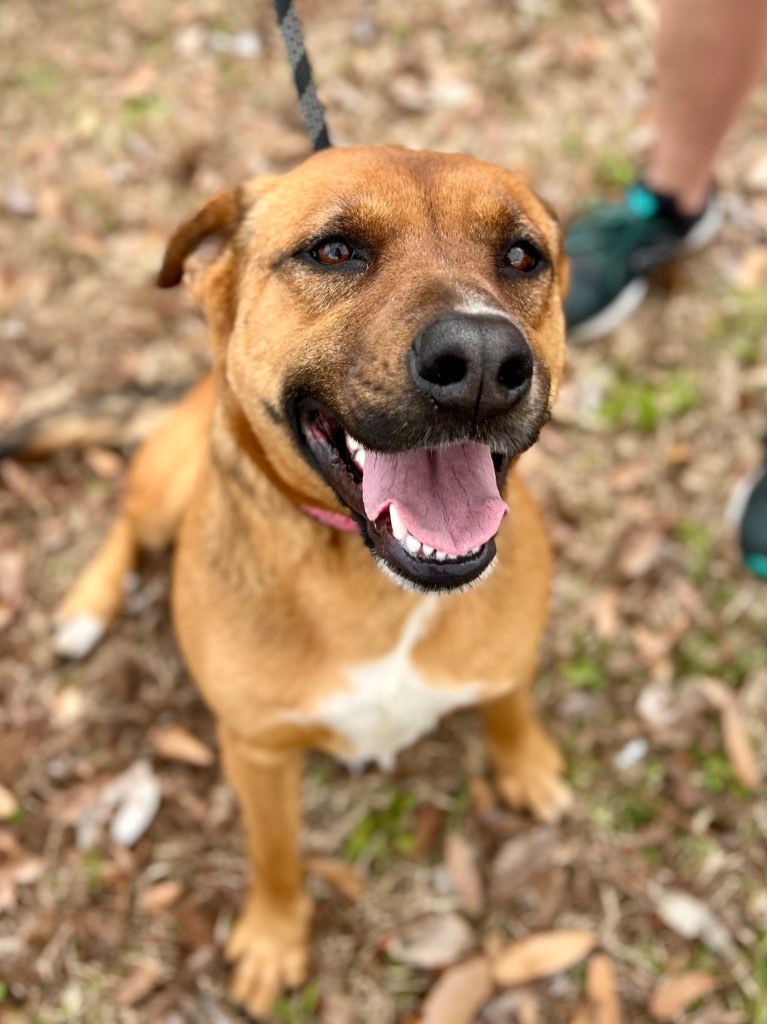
{"x": 311, "y": 108}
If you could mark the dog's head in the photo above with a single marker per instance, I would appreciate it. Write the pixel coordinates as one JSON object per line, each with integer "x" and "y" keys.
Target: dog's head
{"x": 388, "y": 325}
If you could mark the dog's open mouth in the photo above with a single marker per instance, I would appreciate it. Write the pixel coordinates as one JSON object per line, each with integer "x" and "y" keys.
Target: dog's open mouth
{"x": 430, "y": 514}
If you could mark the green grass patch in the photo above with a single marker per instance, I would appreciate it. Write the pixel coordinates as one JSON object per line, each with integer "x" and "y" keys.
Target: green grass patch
{"x": 717, "y": 776}
{"x": 44, "y": 78}
{"x": 615, "y": 169}
{"x": 643, "y": 405}
{"x": 585, "y": 672}
{"x": 699, "y": 544}
{"x": 742, "y": 328}
{"x": 93, "y": 864}
{"x": 139, "y": 109}
{"x": 298, "y": 1007}
{"x": 633, "y": 813}
{"x": 382, "y": 831}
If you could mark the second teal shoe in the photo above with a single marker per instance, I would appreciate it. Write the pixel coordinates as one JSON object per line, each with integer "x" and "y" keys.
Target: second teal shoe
{"x": 614, "y": 247}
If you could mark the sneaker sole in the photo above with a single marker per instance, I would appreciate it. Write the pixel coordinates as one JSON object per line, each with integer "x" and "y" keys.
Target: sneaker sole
{"x": 628, "y": 300}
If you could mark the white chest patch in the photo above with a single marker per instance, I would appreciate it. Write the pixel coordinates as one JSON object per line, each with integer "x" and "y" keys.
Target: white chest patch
{"x": 388, "y": 703}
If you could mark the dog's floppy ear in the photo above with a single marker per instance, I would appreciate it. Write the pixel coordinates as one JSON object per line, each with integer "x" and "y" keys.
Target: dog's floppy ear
{"x": 199, "y": 242}
{"x": 206, "y": 233}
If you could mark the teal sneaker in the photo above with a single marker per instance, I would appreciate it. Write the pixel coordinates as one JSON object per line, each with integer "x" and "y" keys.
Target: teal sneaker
{"x": 613, "y": 249}
{"x": 748, "y": 511}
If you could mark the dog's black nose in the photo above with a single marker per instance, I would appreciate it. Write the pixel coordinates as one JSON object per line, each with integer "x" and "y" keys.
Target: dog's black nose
{"x": 477, "y": 366}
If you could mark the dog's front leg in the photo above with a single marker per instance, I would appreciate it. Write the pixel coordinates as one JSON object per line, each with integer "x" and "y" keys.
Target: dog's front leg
{"x": 527, "y": 764}
{"x": 269, "y": 940}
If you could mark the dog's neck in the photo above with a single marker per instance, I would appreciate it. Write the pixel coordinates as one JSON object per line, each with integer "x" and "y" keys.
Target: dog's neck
{"x": 247, "y": 441}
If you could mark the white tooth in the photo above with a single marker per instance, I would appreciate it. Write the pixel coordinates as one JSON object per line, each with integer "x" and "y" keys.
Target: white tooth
{"x": 351, "y": 444}
{"x": 427, "y": 550}
{"x": 440, "y": 556}
{"x": 397, "y": 526}
{"x": 359, "y": 458}
{"x": 413, "y": 545}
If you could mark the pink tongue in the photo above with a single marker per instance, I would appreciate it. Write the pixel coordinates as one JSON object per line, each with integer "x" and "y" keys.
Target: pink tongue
{"x": 447, "y": 497}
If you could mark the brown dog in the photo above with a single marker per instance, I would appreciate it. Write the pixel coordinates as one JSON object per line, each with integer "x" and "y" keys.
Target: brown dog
{"x": 387, "y": 338}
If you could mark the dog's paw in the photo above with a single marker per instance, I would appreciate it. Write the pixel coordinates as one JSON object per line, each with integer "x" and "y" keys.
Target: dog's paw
{"x": 270, "y": 953}
{"x": 530, "y": 779}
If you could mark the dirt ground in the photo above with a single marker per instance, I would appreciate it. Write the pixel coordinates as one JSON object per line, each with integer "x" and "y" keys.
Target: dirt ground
{"x": 116, "y": 120}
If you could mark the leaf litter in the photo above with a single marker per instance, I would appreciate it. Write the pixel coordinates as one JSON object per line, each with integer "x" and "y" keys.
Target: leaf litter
{"x": 157, "y": 107}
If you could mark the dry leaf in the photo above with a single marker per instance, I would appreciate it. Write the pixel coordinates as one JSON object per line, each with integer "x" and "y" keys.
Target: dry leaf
{"x": 639, "y": 553}
{"x": 483, "y": 798}
{"x": 27, "y": 870}
{"x": 336, "y": 872}
{"x": 459, "y": 994}
{"x": 12, "y": 581}
{"x": 433, "y": 942}
{"x": 140, "y": 983}
{"x": 67, "y": 707}
{"x": 175, "y": 743}
{"x": 337, "y": 1008}
{"x": 675, "y": 992}
{"x": 9, "y": 805}
{"x": 582, "y": 1015}
{"x": 692, "y": 919}
{"x": 160, "y": 896}
{"x": 521, "y": 1007}
{"x": 463, "y": 872}
{"x": 604, "y": 611}
{"x": 601, "y": 991}
{"x": 131, "y": 800}
{"x": 541, "y": 955}
{"x": 518, "y": 860}
{"x": 106, "y": 464}
{"x": 735, "y": 738}
{"x": 428, "y": 824}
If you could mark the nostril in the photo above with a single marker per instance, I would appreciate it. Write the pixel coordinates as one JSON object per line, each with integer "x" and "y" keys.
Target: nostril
{"x": 515, "y": 371}
{"x": 444, "y": 370}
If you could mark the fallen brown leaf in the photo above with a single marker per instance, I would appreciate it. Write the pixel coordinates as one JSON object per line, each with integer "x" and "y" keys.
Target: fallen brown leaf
{"x": 131, "y": 800}
{"x": 582, "y": 1015}
{"x": 675, "y": 992}
{"x": 541, "y": 955}
{"x": 433, "y": 942}
{"x": 464, "y": 874}
{"x": 428, "y": 825}
{"x": 336, "y": 872}
{"x": 160, "y": 896}
{"x": 9, "y": 805}
{"x": 459, "y": 994}
{"x": 137, "y": 986}
{"x": 639, "y": 553}
{"x": 106, "y": 464}
{"x": 337, "y": 1008}
{"x": 483, "y": 798}
{"x": 692, "y": 919}
{"x": 521, "y": 1007}
{"x": 518, "y": 860}
{"x": 601, "y": 991}
{"x": 175, "y": 743}
{"x": 735, "y": 738}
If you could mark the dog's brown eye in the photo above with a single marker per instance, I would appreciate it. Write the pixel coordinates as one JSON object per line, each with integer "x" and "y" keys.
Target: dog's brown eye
{"x": 521, "y": 257}
{"x": 333, "y": 252}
